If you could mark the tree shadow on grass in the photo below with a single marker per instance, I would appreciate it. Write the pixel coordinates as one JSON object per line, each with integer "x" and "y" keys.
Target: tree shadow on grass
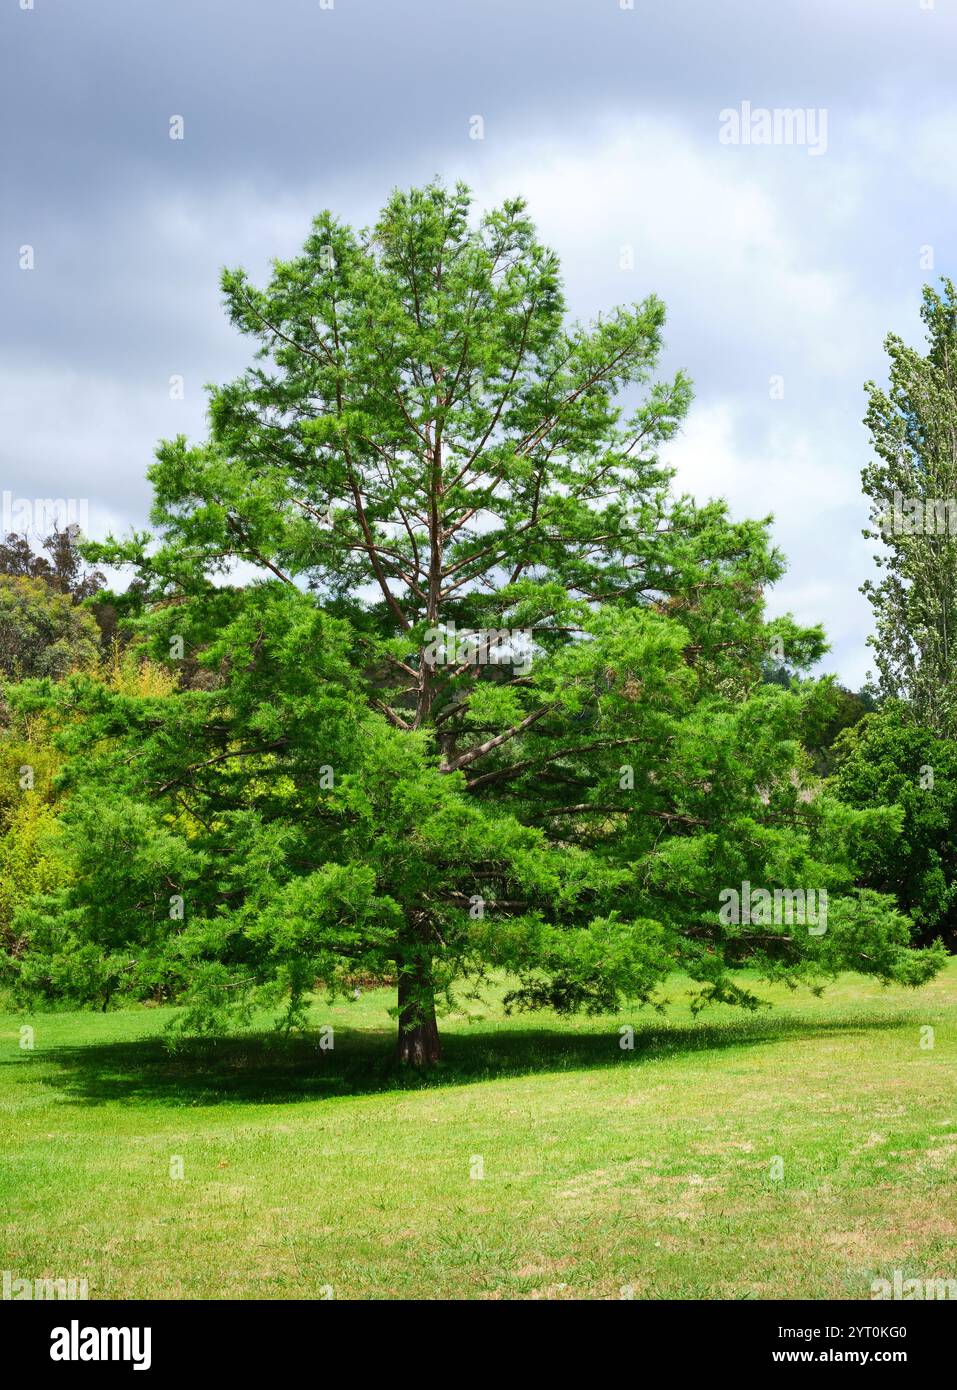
{"x": 265, "y": 1068}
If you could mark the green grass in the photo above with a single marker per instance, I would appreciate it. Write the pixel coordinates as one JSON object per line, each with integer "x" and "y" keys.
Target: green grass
{"x": 604, "y": 1169}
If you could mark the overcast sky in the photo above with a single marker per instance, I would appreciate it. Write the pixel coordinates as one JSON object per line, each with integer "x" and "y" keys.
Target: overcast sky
{"x": 775, "y": 260}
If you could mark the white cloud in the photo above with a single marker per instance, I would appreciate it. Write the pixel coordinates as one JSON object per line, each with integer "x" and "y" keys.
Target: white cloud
{"x": 753, "y": 256}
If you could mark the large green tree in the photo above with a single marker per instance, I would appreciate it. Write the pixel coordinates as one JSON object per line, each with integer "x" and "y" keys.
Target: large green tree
{"x": 483, "y": 693}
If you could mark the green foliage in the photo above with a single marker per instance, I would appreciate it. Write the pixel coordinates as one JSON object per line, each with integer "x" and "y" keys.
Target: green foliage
{"x": 28, "y": 865}
{"x": 41, "y": 632}
{"x": 888, "y": 760}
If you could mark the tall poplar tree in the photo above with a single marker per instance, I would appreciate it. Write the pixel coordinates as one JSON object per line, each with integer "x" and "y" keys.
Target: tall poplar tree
{"x": 912, "y": 484}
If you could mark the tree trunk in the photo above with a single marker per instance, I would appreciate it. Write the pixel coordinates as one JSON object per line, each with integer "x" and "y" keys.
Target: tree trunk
{"x": 418, "y": 1043}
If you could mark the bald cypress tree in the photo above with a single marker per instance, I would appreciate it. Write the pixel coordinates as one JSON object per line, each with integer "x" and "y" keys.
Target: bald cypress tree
{"x": 485, "y": 695}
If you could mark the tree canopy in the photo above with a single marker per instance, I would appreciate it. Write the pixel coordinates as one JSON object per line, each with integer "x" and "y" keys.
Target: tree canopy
{"x": 889, "y": 760}
{"x": 41, "y": 632}
{"x": 483, "y": 692}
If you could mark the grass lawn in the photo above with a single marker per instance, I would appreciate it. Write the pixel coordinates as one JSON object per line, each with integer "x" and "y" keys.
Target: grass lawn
{"x": 604, "y": 1170}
